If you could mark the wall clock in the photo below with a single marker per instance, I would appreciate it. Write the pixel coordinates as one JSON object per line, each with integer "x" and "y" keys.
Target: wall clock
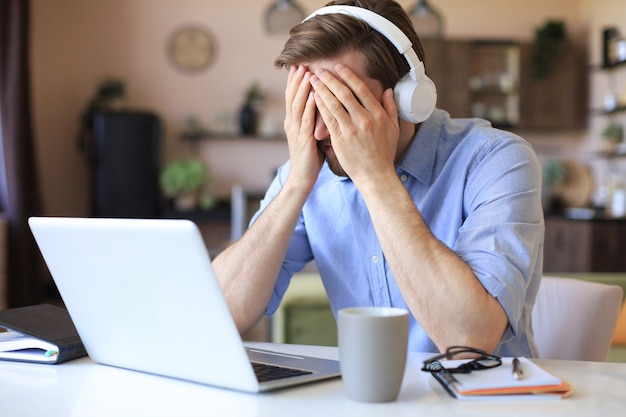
{"x": 191, "y": 48}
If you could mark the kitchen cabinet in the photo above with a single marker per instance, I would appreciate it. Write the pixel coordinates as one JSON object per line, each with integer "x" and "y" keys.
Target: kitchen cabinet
{"x": 576, "y": 245}
{"x": 447, "y": 64}
{"x": 558, "y": 100}
{"x": 493, "y": 79}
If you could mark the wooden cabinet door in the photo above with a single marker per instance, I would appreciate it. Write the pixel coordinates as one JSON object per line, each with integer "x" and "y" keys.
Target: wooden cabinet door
{"x": 567, "y": 245}
{"x": 558, "y": 100}
{"x": 608, "y": 247}
{"x": 584, "y": 245}
{"x": 447, "y": 64}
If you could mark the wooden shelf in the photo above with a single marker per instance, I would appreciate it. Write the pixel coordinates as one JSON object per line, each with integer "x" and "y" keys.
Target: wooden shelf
{"x": 231, "y": 137}
{"x": 602, "y": 112}
{"x": 608, "y": 67}
{"x": 611, "y": 154}
{"x": 618, "y": 109}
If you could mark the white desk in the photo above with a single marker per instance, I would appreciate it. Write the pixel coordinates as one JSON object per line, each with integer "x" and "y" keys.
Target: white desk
{"x": 83, "y": 388}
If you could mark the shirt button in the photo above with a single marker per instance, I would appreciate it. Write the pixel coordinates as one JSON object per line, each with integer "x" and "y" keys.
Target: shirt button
{"x": 404, "y": 177}
{"x": 375, "y": 259}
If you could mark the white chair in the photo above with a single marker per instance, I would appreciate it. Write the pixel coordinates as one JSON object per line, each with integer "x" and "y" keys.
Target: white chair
{"x": 575, "y": 319}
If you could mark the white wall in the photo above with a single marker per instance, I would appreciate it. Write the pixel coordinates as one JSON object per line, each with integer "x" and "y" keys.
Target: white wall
{"x": 76, "y": 43}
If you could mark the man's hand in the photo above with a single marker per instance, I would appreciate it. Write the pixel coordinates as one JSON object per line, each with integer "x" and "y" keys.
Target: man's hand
{"x": 362, "y": 120}
{"x": 306, "y": 159}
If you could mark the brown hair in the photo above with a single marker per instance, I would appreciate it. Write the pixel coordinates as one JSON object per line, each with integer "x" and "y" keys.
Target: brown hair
{"x": 327, "y": 36}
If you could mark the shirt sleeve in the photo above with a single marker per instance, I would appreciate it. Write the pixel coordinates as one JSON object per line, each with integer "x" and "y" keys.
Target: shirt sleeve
{"x": 501, "y": 238}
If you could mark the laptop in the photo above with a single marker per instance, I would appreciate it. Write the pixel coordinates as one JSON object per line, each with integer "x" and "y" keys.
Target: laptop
{"x": 143, "y": 296}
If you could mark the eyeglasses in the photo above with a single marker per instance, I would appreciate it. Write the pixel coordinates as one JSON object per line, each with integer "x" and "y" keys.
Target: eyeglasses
{"x": 483, "y": 361}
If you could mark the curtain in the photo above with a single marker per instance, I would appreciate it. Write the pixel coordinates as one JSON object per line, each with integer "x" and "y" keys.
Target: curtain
{"x": 19, "y": 194}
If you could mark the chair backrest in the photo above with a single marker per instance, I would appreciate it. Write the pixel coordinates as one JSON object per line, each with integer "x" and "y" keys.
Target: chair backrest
{"x": 575, "y": 319}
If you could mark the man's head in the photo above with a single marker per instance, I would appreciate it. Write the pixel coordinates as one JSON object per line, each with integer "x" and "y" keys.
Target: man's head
{"x": 328, "y": 36}
{"x": 376, "y": 40}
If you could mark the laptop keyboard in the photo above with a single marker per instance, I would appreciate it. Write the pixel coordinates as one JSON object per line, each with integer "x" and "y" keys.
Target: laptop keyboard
{"x": 266, "y": 372}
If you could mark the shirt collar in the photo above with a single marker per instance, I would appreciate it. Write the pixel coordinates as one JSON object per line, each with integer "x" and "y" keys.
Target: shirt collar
{"x": 419, "y": 158}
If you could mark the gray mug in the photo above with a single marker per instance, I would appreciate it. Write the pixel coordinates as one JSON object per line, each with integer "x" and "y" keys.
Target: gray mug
{"x": 372, "y": 351}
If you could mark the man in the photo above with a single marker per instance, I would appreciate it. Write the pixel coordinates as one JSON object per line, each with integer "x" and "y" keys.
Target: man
{"x": 441, "y": 217}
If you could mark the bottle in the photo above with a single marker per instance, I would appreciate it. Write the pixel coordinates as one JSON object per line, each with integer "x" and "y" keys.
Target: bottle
{"x": 616, "y": 202}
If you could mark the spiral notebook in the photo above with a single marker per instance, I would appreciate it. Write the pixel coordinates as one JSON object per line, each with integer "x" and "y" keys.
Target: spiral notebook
{"x": 537, "y": 383}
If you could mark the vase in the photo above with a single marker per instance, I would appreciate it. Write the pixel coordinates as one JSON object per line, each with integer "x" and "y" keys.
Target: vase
{"x": 247, "y": 120}
{"x": 186, "y": 201}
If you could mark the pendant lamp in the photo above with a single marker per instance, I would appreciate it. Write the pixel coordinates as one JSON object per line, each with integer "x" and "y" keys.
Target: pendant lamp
{"x": 427, "y": 21}
{"x": 282, "y": 15}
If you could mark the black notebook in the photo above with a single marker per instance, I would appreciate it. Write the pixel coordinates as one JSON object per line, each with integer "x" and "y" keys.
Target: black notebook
{"x": 41, "y": 333}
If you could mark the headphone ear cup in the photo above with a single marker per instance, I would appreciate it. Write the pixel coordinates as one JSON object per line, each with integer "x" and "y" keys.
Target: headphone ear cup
{"x": 416, "y": 100}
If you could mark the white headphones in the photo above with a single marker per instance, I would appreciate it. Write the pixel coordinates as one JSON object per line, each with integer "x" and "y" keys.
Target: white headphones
{"x": 415, "y": 94}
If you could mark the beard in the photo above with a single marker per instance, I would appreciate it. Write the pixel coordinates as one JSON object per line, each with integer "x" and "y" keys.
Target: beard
{"x": 325, "y": 147}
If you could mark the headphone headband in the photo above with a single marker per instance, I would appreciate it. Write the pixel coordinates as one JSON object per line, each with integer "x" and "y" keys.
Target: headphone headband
{"x": 376, "y": 21}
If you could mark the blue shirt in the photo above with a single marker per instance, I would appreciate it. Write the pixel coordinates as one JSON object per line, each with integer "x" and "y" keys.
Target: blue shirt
{"x": 477, "y": 188}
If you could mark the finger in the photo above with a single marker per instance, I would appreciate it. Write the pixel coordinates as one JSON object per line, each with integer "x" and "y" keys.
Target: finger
{"x": 289, "y": 87}
{"x": 344, "y": 92}
{"x": 299, "y": 90}
{"x": 328, "y": 103}
{"x": 360, "y": 91}
{"x": 302, "y": 93}
{"x": 327, "y": 115}
{"x": 308, "y": 116}
{"x": 294, "y": 80}
{"x": 333, "y": 90}
{"x": 389, "y": 104}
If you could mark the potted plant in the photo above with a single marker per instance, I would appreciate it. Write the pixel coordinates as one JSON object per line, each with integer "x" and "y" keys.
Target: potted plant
{"x": 182, "y": 181}
{"x": 613, "y": 132}
{"x": 546, "y": 47}
{"x": 554, "y": 173}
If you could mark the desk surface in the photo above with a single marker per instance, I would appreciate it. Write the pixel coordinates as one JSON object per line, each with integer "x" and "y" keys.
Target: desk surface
{"x": 83, "y": 388}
